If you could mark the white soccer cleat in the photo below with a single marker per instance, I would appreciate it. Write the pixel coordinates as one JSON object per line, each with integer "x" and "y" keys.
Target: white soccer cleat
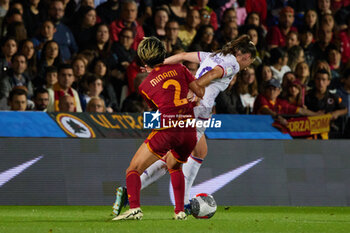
{"x": 131, "y": 214}
{"x": 180, "y": 216}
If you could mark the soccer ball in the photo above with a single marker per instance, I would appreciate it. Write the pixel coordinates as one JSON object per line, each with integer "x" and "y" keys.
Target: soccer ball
{"x": 203, "y": 206}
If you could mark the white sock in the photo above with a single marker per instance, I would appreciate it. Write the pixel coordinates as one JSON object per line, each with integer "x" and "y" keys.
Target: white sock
{"x": 153, "y": 173}
{"x": 190, "y": 170}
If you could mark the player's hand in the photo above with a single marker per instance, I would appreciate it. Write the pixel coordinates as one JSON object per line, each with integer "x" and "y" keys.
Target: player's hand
{"x": 282, "y": 120}
{"x": 145, "y": 69}
{"x": 190, "y": 96}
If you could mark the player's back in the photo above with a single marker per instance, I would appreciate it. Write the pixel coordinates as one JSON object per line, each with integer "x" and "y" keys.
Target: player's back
{"x": 166, "y": 87}
{"x": 208, "y": 61}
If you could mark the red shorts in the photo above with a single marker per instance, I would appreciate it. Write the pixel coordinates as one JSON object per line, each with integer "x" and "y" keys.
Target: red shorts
{"x": 180, "y": 141}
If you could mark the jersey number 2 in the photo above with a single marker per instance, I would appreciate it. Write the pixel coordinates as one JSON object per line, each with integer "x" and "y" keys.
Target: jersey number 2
{"x": 176, "y": 84}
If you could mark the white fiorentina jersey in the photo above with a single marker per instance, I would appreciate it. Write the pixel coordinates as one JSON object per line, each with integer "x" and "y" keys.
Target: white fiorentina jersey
{"x": 230, "y": 68}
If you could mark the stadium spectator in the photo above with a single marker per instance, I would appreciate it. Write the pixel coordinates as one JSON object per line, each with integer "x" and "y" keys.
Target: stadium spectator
{"x": 51, "y": 56}
{"x": 108, "y": 11}
{"x": 79, "y": 70}
{"x": 344, "y": 90}
{"x": 292, "y": 39}
{"x": 253, "y": 18}
{"x": 13, "y": 15}
{"x": 155, "y": 26}
{"x": 207, "y": 13}
{"x": 111, "y": 94}
{"x": 294, "y": 93}
{"x": 63, "y": 87}
{"x": 269, "y": 103}
{"x": 295, "y": 56}
{"x": 63, "y": 35}
{"x": 17, "y": 100}
{"x": 4, "y": 7}
{"x": 41, "y": 99}
{"x": 16, "y": 77}
{"x": 328, "y": 19}
{"x": 325, "y": 36}
{"x": 263, "y": 74}
{"x": 66, "y": 104}
{"x": 334, "y": 60}
{"x": 302, "y": 73}
{"x": 134, "y": 102}
{"x": 96, "y": 104}
{"x": 18, "y": 5}
{"x": 101, "y": 43}
{"x": 188, "y": 30}
{"x": 204, "y": 40}
{"x": 320, "y": 99}
{"x": 241, "y": 11}
{"x": 310, "y": 22}
{"x": 127, "y": 18}
{"x": 8, "y": 49}
{"x": 32, "y": 16}
{"x": 279, "y": 60}
{"x": 240, "y": 97}
{"x": 90, "y": 3}
{"x": 47, "y": 30}
{"x": 319, "y": 65}
{"x": 277, "y": 35}
{"x": 306, "y": 38}
{"x": 83, "y": 26}
{"x": 50, "y": 76}
{"x": 17, "y": 30}
{"x": 178, "y": 10}
{"x": 226, "y": 33}
{"x": 324, "y": 7}
{"x": 172, "y": 41}
{"x": 94, "y": 86}
{"x": 26, "y": 47}
{"x": 229, "y": 15}
{"x": 124, "y": 53}
{"x": 204, "y": 17}
{"x": 287, "y": 78}
{"x": 344, "y": 37}
{"x": 258, "y": 6}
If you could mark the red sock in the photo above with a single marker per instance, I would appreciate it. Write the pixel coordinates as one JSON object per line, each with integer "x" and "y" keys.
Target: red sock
{"x": 133, "y": 185}
{"x": 178, "y": 182}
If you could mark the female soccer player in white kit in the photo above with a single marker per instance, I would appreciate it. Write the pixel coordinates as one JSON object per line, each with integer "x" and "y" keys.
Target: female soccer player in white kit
{"x": 222, "y": 65}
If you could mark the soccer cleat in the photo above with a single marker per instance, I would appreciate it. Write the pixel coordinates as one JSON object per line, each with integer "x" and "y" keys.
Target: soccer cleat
{"x": 180, "y": 216}
{"x": 120, "y": 201}
{"x": 131, "y": 214}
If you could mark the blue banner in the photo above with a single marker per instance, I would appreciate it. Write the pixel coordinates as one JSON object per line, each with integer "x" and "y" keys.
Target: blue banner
{"x": 245, "y": 127}
{"x": 29, "y": 124}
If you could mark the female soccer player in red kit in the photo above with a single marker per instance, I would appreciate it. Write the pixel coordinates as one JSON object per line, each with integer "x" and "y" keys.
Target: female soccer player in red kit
{"x": 166, "y": 88}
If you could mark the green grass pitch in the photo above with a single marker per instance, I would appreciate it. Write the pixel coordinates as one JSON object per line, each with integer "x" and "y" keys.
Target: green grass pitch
{"x": 86, "y": 219}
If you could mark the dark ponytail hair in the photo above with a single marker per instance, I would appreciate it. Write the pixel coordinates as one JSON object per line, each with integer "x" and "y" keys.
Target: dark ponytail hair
{"x": 242, "y": 43}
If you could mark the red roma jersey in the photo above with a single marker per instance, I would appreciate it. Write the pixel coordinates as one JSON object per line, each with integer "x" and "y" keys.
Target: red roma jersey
{"x": 166, "y": 88}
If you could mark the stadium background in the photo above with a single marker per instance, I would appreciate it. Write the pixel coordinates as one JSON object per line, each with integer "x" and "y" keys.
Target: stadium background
{"x": 86, "y": 172}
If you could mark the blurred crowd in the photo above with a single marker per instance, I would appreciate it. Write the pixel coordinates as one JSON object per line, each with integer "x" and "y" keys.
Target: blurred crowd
{"x": 80, "y": 55}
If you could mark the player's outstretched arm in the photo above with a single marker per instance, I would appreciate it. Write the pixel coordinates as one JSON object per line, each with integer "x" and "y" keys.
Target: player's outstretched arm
{"x": 197, "y": 89}
{"x": 180, "y": 57}
{"x": 215, "y": 73}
